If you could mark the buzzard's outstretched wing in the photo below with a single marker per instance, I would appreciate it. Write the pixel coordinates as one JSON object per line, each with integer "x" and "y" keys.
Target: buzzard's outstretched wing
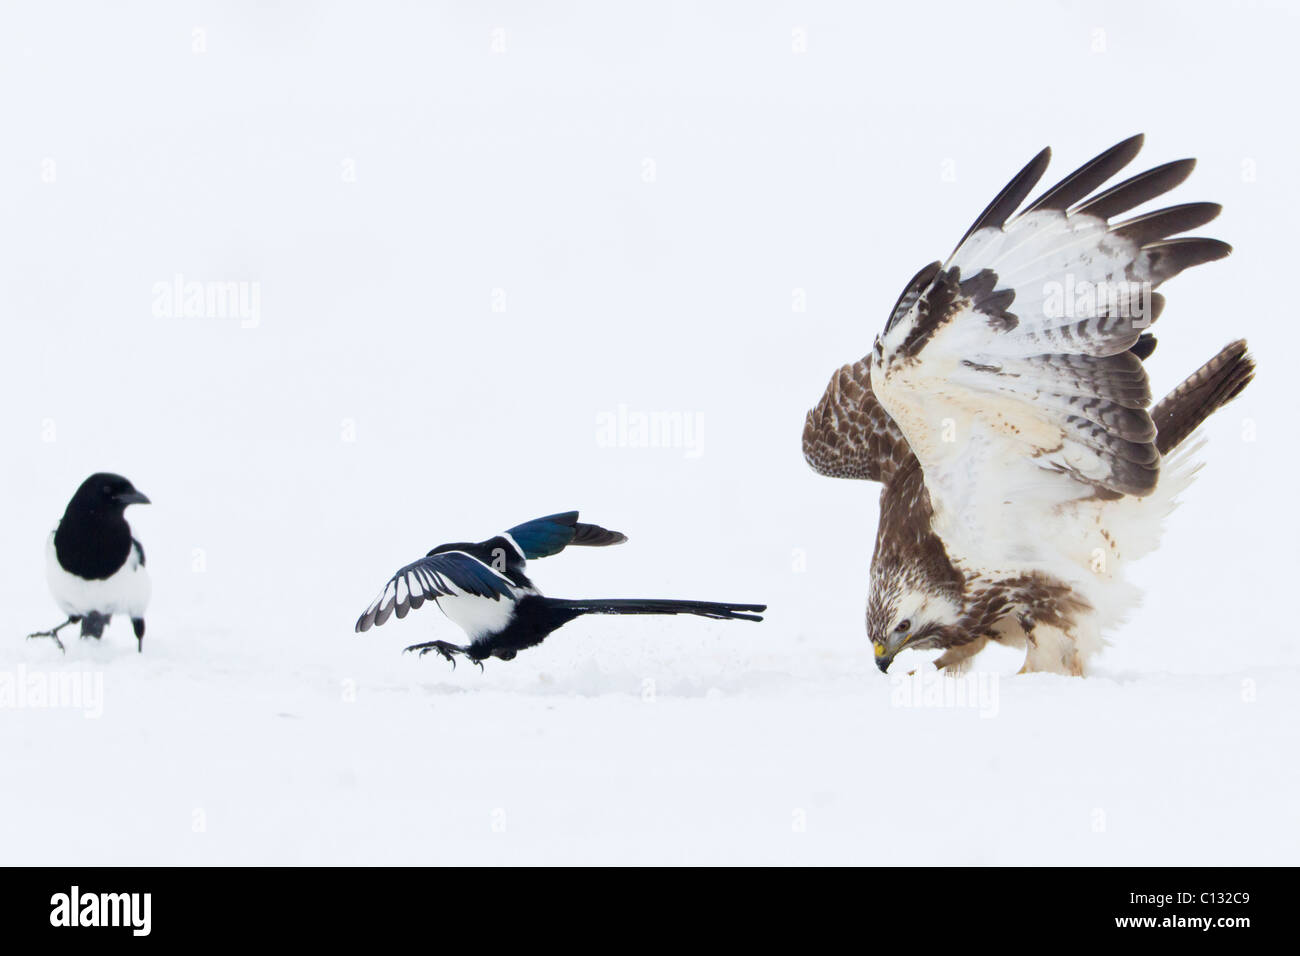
{"x": 848, "y": 434}
{"x": 1012, "y": 369}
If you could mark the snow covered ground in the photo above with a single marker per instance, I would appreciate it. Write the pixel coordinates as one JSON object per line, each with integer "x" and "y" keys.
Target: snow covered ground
{"x": 473, "y": 250}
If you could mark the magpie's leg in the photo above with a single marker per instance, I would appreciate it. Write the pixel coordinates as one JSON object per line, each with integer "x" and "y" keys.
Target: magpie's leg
{"x": 54, "y": 632}
{"x": 446, "y": 651}
{"x": 137, "y": 623}
{"x": 93, "y": 624}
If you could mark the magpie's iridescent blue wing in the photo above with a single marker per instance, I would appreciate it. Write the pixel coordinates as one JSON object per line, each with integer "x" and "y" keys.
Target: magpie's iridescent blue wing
{"x": 444, "y": 574}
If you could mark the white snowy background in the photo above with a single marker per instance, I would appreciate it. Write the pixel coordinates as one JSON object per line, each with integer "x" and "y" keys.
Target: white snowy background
{"x": 474, "y": 230}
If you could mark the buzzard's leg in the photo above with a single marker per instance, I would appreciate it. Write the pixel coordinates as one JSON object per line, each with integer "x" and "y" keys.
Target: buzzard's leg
{"x": 955, "y": 660}
{"x": 1010, "y": 631}
{"x": 1052, "y": 651}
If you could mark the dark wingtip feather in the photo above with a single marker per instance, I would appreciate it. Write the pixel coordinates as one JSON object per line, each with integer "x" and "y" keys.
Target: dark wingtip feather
{"x": 367, "y": 620}
{"x": 912, "y": 291}
{"x": 1170, "y": 221}
{"x": 1167, "y": 258}
{"x": 1089, "y": 176}
{"x": 1013, "y": 194}
{"x": 1134, "y": 192}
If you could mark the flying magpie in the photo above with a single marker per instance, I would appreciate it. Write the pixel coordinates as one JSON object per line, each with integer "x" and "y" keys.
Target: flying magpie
{"x": 482, "y": 587}
{"x": 94, "y": 566}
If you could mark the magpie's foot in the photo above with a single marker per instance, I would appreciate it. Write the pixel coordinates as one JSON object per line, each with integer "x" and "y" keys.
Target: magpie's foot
{"x": 53, "y": 635}
{"x": 446, "y": 651}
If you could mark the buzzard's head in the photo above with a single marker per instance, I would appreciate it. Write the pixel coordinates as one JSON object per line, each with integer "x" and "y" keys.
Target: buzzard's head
{"x": 901, "y": 614}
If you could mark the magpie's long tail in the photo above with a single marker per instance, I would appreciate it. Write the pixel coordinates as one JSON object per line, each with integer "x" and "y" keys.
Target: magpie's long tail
{"x": 713, "y": 609}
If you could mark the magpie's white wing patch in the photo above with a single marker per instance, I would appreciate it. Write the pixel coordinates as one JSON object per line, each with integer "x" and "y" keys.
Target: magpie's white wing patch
{"x": 1011, "y": 368}
{"x": 445, "y": 574}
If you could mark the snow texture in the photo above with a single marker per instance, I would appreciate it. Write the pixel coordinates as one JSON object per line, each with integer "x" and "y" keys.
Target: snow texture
{"x": 476, "y": 248}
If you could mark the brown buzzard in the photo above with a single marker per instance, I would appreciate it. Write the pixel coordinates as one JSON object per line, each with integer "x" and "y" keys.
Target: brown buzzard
{"x": 1006, "y": 410}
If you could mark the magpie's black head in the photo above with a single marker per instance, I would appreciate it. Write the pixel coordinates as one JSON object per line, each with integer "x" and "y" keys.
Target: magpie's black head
{"x": 105, "y": 493}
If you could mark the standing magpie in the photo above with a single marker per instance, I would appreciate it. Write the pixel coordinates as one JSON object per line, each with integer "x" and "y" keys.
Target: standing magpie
{"x": 94, "y": 566}
{"x": 483, "y": 589}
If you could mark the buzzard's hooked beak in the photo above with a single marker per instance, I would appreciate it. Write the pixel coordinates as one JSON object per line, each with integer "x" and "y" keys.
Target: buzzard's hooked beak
{"x": 883, "y": 660}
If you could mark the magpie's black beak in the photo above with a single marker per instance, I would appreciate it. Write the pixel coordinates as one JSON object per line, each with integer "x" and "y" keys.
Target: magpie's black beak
{"x": 132, "y": 497}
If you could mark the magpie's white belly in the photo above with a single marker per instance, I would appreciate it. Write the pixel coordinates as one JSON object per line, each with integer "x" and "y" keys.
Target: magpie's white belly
{"x": 477, "y": 616}
{"x": 126, "y": 592}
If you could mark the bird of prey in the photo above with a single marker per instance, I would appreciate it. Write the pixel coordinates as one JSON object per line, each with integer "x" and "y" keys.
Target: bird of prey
{"x": 1006, "y": 410}
{"x": 482, "y": 587}
{"x": 94, "y": 567}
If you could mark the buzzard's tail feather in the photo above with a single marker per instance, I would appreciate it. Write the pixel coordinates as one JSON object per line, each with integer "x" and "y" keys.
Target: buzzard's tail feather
{"x": 1206, "y": 390}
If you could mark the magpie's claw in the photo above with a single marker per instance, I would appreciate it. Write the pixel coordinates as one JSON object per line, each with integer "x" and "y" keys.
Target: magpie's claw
{"x": 53, "y": 635}
{"x": 444, "y": 650}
